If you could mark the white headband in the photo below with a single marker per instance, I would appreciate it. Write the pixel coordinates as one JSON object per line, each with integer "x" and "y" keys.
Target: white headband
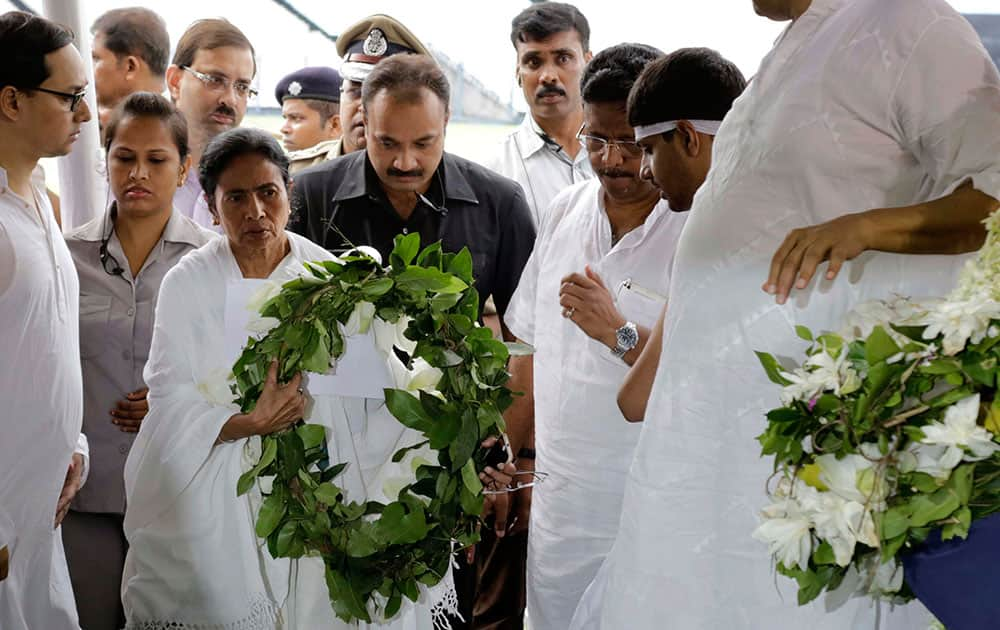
{"x": 711, "y": 127}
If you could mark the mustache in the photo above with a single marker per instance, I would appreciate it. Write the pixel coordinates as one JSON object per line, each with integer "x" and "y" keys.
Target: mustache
{"x": 549, "y": 90}
{"x": 395, "y": 172}
{"x": 615, "y": 172}
{"x": 225, "y": 110}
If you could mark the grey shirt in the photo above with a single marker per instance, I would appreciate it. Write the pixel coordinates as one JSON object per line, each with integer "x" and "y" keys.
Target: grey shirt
{"x": 116, "y": 326}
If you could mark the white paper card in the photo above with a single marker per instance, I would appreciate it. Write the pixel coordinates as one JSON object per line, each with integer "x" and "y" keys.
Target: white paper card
{"x": 361, "y": 372}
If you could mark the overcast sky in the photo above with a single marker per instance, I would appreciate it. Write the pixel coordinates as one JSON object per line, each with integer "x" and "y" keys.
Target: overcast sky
{"x": 475, "y": 32}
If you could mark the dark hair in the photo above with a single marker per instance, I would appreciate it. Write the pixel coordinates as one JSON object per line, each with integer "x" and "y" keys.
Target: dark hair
{"x": 25, "y": 39}
{"x": 610, "y": 75}
{"x": 149, "y": 105}
{"x": 403, "y": 76}
{"x": 690, "y": 83}
{"x": 136, "y": 31}
{"x": 325, "y": 109}
{"x": 208, "y": 35}
{"x": 229, "y": 145}
{"x": 545, "y": 19}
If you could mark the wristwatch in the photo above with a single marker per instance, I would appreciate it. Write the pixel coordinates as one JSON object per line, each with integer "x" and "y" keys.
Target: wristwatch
{"x": 627, "y": 337}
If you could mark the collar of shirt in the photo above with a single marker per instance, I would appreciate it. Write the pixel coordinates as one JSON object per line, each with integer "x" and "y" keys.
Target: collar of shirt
{"x": 361, "y": 179}
{"x": 177, "y": 230}
{"x": 530, "y": 139}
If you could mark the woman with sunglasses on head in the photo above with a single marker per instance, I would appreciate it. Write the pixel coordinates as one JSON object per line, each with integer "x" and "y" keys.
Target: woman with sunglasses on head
{"x": 121, "y": 258}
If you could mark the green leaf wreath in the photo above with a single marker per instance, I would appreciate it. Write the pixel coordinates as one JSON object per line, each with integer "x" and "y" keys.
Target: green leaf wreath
{"x": 376, "y": 554}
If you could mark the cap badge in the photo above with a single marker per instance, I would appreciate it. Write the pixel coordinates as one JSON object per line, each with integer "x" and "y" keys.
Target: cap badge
{"x": 375, "y": 43}
{"x": 294, "y": 88}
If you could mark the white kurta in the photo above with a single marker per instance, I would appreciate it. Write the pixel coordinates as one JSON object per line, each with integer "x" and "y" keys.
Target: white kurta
{"x": 862, "y": 104}
{"x": 581, "y": 439}
{"x": 194, "y": 559}
{"x": 42, "y": 398}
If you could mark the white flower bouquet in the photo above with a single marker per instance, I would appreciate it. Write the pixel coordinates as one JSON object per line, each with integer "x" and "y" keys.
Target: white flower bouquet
{"x": 886, "y": 453}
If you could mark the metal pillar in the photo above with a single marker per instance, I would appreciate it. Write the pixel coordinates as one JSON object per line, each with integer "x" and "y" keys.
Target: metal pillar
{"x": 79, "y": 192}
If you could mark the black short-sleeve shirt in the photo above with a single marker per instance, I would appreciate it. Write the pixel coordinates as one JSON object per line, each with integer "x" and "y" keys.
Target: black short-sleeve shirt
{"x": 341, "y": 203}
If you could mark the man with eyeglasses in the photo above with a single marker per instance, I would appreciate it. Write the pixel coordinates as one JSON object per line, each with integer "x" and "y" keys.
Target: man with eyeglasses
{"x": 552, "y": 42}
{"x": 590, "y": 294}
{"x": 211, "y": 82}
{"x": 42, "y": 83}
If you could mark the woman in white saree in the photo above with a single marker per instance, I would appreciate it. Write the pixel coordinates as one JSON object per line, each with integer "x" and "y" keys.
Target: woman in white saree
{"x": 194, "y": 559}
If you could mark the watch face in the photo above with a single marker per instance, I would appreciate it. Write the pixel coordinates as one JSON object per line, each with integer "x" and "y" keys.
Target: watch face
{"x": 628, "y": 337}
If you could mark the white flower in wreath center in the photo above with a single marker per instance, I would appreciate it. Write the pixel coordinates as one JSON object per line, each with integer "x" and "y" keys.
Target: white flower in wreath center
{"x": 958, "y": 429}
{"x": 360, "y": 320}
{"x": 388, "y": 335}
{"x": 262, "y": 325}
{"x": 959, "y": 321}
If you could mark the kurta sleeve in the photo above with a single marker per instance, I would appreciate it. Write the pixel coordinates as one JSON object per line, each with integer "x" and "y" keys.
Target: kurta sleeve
{"x": 185, "y": 415}
{"x": 520, "y": 316}
{"x": 946, "y": 108}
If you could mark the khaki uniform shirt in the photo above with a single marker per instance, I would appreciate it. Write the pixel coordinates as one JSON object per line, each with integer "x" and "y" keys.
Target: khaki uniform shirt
{"x": 326, "y": 150}
{"x": 116, "y": 327}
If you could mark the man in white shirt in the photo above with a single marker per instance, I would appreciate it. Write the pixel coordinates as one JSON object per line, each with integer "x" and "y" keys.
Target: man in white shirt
{"x": 210, "y": 81}
{"x": 42, "y": 108}
{"x": 543, "y": 155}
{"x": 593, "y": 288}
{"x": 876, "y": 123}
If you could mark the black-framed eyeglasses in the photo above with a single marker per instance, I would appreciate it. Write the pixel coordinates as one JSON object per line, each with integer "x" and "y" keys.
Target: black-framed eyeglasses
{"x": 218, "y": 83}
{"x": 594, "y": 144}
{"x": 74, "y": 98}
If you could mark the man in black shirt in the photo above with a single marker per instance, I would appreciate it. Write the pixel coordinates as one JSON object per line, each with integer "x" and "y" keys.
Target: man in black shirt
{"x": 404, "y": 182}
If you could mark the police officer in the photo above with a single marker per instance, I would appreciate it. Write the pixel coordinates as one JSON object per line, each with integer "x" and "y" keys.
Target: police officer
{"x": 310, "y": 105}
{"x": 361, "y": 46}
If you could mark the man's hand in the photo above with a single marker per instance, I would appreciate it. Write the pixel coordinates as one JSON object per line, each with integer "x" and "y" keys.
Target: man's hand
{"x": 588, "y": 303}
{"x": 804, "y": 249}
{"x": 70, "y": 487}
{"x": 129, "y": 412}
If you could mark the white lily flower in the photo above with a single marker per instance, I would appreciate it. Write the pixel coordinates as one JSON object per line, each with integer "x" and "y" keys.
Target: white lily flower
{"x": 260, "y": 297}
{"x": 935, "y": 460}
{"x": 365, "y": 250}
{"x": 388, "y": 335}
{"x": 803, "y": 385}
{"x": 843, "y": 524}
{"x": 960, "y": 321}
{"x": 360, "y": 320}
{"x": 423, "y": 377}
{"x": 215, "y": 388}
{"x": 787, "y": 531}
{"x": 853, "y": 478}
{"x": 959, "y": 429}
{"x": 404, "y": 472}
{"x": 261, "y": 325}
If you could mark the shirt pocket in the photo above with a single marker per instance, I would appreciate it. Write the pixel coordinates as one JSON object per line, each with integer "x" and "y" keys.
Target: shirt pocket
{"x": 640, "y": 309}
{"x": 95, "y": 316}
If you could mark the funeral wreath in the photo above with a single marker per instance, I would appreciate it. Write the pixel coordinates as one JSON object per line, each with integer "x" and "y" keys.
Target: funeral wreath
{"x": 450, "y": 375}
{"x": 886, "y": 436}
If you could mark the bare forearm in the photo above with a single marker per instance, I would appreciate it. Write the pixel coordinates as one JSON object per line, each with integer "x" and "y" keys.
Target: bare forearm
{"x": 238, "y": 427}
{"x": 952, "y": 224}
{"x": 634, "y": 393}
{"x": 520, "y": 416}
